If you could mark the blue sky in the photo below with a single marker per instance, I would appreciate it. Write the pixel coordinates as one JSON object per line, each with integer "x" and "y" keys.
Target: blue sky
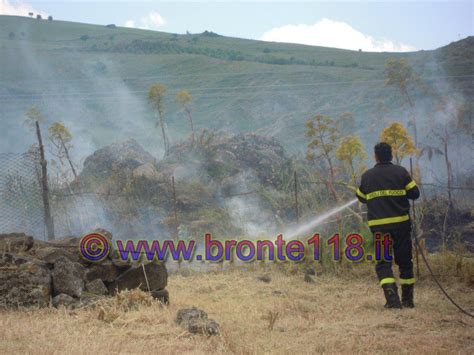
{"x": 374, "y": 26}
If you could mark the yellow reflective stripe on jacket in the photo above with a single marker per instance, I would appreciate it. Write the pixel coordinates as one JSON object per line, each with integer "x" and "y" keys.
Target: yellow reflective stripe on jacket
{"x": 359, "y": 193}
{"x": 387, "y": 280}
{"x": 382, "y": 193}
{"x": 410, "y": 185}
{"x": 378, "y": 222}
{"x": 407, "y": 281}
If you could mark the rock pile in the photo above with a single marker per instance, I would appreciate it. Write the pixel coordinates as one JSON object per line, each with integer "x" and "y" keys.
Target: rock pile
{"x": 36, "y": 273}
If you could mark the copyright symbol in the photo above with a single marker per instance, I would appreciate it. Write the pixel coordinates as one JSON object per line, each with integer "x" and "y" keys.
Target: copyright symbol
{"x": 94, "y": 247}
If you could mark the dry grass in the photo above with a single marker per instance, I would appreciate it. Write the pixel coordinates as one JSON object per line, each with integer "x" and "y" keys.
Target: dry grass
{"x": 287, "y": 315}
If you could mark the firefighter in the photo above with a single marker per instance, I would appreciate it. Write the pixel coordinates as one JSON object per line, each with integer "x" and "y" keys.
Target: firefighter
{"x": 386, "y": 189}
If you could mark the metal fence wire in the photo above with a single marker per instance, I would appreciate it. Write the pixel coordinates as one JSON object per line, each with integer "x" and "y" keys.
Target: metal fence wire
{"x": 21, "y": 205}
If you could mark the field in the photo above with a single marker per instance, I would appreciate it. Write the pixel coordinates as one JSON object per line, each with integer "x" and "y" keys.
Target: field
{"x": 336, "y": 314}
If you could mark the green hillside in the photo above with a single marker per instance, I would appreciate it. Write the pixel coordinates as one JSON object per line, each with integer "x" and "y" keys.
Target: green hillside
{"x": 95, "y": 79}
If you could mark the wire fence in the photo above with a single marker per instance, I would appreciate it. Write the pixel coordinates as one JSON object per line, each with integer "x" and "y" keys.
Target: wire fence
{"x": 77, "y": 210}
{"x": 21, "y": 206}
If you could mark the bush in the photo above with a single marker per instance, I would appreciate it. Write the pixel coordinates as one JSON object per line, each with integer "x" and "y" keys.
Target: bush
{"x": 84, "y": 37}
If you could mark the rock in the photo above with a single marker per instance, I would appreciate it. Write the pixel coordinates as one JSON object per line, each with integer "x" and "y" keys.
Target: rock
{"x": 105, "y": 233}
{"x": 123, "y": 156}
{"x": 51, "y": 254}
{"x": 309, "y": 279}
{"x": 96, "y": 287}
{"x": 68, "y": 277}
{"x": 105, "y": 271}
{"x": 15, "y": 242}
{"x": 147, "y": 170}
{"x": 309, "y": 271}
{"x": 161, "y": 295}
{"x": 72, "y": 242}
{"x": 184, "y": 315}
{"x": 203, "y": 326}
{"x": 196, "y": 321}
{"x": 134, "y": 278}
{"x": 63, "y": 300}
{"x": 24, "y": 282}
{"x": 265, "y": 278}
{"x": 9, "y": 259}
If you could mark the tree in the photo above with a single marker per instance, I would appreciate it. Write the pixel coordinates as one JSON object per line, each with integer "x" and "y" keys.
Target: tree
{"x": 38, "y": 17}
{"x": 61, "y": 139}
{"x": 397, "y": 136}
{"x": 185, "y": 98}
{"x": 452, "y": 112}
{"x": 399, "y": 74}
{"x": 84, "y": 37}
{"x": 33, "y": 115}
{"x": 30, "y": 14}
{"x": 351, "y": 153}
{"x": 155, "y": 99}
{"x": 323, "y": 135}
{"x": 50, "y": 18}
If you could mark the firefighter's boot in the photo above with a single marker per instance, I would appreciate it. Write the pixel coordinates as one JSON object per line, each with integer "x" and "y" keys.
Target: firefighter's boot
{"x": 391, "y": 295}
{"x": 407, "y": 296}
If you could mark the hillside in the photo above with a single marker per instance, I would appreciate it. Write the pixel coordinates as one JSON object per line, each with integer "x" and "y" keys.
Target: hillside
{"x": 95, "y": 79}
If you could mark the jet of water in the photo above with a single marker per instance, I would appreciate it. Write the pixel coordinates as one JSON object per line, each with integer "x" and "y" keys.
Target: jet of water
{"x": 313, "y": 223}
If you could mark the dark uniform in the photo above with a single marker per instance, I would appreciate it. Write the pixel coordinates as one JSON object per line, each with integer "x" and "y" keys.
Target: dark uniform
{"x": 386, "y": 189}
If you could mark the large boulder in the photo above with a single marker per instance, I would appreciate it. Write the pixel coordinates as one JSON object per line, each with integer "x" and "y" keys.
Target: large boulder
{"x": 148, "y": 171}
{"x": 124, "y": 156}
{"x": 156, "y": 275}
{"x": 24, "y": 281}
{"x": 15, "y": 242}
{"x": 105, "y": 271}
{"x": 96, "y": 287}
{"x": 68, "y": 277}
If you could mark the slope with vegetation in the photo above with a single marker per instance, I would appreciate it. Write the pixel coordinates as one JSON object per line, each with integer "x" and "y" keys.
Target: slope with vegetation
{"x": 97, "y": 77}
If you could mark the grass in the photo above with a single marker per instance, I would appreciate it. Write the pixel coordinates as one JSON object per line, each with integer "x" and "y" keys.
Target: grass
{"x": 341, "y": 313}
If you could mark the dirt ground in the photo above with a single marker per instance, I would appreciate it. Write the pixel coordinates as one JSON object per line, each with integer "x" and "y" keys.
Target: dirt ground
{"x": 333, "y": 315}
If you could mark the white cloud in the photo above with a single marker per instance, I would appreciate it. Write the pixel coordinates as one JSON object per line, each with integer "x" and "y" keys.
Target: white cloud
{"x": 336, "y": 34}
{"x": 18, "y": 8}
{"x": 152, "y": 21}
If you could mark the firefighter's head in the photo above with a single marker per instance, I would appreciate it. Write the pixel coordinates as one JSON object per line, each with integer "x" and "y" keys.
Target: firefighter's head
{"x": 383, "y": 152}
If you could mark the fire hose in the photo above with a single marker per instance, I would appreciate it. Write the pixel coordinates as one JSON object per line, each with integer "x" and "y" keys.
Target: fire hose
{"x": 419, "y": 250}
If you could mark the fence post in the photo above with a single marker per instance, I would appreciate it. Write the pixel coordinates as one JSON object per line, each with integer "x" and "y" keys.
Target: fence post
{"x": 296, "y": 199}
{"x": 48, "y": 219}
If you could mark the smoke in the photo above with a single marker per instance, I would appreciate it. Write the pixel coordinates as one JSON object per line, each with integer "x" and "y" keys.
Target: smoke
{"x": 246, "y": 210}
{"x": 96, "y": 105}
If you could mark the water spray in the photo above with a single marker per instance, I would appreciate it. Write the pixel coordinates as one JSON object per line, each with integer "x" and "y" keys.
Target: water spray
{"x": 316, "y": 221}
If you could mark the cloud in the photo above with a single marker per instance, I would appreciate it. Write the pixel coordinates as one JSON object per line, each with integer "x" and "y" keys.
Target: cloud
{"x": 18, "y": 8}
{"x": 336, "y": 34}
{"x": 152, "y": 21}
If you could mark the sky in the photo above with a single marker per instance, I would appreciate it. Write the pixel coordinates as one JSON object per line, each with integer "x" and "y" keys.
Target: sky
{"x": 368, "y": 25}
